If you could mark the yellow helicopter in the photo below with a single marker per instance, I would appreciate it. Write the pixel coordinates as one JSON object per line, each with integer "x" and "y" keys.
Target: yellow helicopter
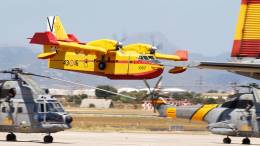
{"x": 103, "y": 57}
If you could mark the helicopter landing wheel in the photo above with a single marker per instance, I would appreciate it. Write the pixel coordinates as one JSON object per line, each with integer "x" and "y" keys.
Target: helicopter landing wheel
{"x": 10, "y": 137}
{"x": 48, "y": 139}
{"x": 227, "y": 140}
{"x": 246, "y": 141}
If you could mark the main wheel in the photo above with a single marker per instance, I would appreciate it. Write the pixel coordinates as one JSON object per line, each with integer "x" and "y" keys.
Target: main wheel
{"x": 11, "y": 137}
{"x": 102, "y": 65}
{"x": 246, "y": 141}
{"x": 227, "y": 140}
{"x": 48, "y": 139}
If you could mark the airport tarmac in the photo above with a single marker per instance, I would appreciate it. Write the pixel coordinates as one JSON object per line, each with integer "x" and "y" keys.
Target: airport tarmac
{"x": 69, "y": 138}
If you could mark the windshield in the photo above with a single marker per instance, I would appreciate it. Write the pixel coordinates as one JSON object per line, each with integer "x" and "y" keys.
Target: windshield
{"x": 54, "y": 107}
{"x": 256, "y": 94}
{"x": 144, "y": 57}
{"x": 151, "y": 57}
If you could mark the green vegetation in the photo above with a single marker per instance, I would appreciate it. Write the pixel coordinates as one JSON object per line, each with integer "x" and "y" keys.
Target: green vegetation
{"x": 102, "y": 94}
{"x": 76, "y": 99}
{"x": 194, "y": 97}
{"x": 201, "y": 100}
{"x": 139, "y": 96}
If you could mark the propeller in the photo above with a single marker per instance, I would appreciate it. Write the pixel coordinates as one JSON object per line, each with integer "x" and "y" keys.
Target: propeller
{"x": 120, "y": 40}
{"x": 155, "y": 46}
{"x": 153, "y": 94}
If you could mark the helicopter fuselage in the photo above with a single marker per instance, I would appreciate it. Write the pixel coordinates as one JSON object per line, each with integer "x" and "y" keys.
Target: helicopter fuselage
{"x": 237, "y": 117}
{"x": 27, "y": 112}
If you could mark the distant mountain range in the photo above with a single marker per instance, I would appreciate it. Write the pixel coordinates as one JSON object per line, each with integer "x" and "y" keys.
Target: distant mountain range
{"x": 192, "y": 79}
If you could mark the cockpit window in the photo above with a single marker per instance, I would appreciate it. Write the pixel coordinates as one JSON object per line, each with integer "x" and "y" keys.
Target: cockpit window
{"x": 144, "y": 57}
{"x": 239, "y": 104}
{"x": 54, "y": 107}
{"x": 243, "y": 104}
{"x": 50, "y": 107}
{"x": 151, "y": 57}
{"x": 41, "y": 107}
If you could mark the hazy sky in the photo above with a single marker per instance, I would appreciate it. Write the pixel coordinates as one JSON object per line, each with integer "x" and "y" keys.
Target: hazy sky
{"x": 205, "y": 26}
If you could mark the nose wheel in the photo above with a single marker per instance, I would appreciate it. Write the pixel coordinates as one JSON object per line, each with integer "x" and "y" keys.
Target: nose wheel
{"x": 246, "y": 141}
{"x": 11, "y": 137}
{"x": 227, "y": 140}
{"x": 48, "y": 139}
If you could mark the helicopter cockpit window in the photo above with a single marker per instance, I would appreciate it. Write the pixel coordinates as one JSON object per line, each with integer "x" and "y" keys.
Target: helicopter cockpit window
{"x": 3, "y": 109}
{"x": 239, "y": 104}
{"x": 19, "y": 110}
{"x": 54, "y": 107}
{"x": 243, "y": 104}
{"x": 41, "y": 107}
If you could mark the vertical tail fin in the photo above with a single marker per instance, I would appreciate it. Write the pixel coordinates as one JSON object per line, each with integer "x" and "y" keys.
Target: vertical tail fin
{"x": 55, "y": 26}
{"x": 247, "y": 36}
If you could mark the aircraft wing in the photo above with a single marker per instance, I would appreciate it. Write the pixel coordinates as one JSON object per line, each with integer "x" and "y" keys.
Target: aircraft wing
{"x": 75, "y": 46}
{"x": 47, "y": 38}
{"x": 230, "y": 66}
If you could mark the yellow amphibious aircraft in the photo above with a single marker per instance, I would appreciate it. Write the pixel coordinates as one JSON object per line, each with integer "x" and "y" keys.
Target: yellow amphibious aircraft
{"x": 103, "y": 57}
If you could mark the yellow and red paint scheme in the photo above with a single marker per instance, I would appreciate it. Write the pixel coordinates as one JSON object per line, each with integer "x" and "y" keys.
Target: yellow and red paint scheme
{"x": 247, "y": 36}
{"x": 133, "y": 62}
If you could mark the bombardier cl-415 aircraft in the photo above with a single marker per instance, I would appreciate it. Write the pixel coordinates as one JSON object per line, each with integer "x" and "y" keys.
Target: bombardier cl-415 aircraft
{"x": 103, "y": 57}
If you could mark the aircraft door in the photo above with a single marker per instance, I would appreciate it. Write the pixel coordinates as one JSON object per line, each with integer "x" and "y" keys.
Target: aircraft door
{"x": 7, "y": 114}
{"x": 132, "y": 63}
{"x": 40, "y": 112}
{"x": 256, "y": 100}
{"x": 244, "y": 121}
{"x": 24, "y": 114}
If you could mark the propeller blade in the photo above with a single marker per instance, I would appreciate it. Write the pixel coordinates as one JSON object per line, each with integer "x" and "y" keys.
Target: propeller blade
{"x": 157, "y": 84}
{"x": 148, "y": 86}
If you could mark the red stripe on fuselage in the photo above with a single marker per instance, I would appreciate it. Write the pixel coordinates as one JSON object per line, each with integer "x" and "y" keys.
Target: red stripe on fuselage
{"x": 138, "y": 76}
{"x": 245, "y": 2}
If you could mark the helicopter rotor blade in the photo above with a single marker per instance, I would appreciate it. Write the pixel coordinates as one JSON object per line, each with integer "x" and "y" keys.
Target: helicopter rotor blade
{"x": 80, "y": 84}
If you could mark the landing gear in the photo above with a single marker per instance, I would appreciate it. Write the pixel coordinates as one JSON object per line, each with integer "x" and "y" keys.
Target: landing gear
{"x": 246, "y": 141}
{"x": 227, "y": 140}
{"x": 11, "y": 137}
{"x": 102, "y": 65}
{"x": 48, "y": 139}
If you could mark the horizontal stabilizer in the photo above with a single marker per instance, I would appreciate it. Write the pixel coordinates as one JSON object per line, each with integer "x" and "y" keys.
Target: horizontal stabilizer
{"x": 46, "y": 55}
{"x": 44, "y": 38}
